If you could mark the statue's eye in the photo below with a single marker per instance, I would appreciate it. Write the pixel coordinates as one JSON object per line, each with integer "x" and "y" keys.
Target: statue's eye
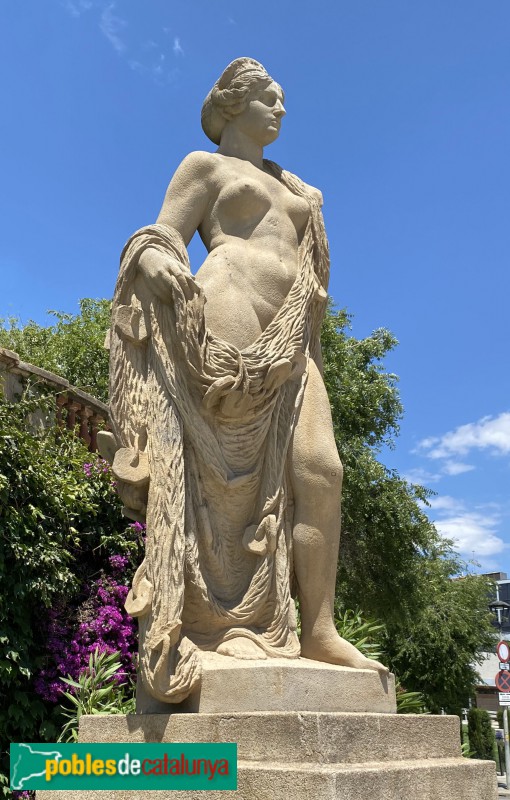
{"x": 269, "y": 97}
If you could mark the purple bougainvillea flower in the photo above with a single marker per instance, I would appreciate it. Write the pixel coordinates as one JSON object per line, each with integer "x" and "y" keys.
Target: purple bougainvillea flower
{"x": 101, "y": 622}
{"x": 118, "y": 563}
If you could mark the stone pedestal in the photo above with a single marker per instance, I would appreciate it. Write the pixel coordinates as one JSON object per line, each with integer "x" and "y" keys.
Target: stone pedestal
{"x": 304, "y": 730}
{"x": 280, "y": 684}
{"x": 312, "y": 755}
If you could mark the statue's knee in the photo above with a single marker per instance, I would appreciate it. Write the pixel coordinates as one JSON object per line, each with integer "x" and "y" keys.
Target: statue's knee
{"x": 319, "y": 472}
{"x": 334, "y": 471}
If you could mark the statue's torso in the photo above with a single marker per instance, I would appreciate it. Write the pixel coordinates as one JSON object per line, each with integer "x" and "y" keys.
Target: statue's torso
{"x": 252, "y": 230}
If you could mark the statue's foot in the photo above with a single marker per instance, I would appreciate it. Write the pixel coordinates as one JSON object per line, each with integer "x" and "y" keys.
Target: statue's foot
{"x": 241, "y": 647}
{"x": 332, "y": 649}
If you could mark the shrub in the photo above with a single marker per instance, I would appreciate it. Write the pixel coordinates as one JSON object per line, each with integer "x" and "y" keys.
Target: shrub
{"x": 60, "y": 523}
{"x": 481, "y": 734}
{"x": 366, "y": 635}
{"x": 102, "y": 688}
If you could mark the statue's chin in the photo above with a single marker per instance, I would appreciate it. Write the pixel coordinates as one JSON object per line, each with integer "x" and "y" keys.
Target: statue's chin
{"x": 268, "y": 137}
{"x": 272, "y": 135}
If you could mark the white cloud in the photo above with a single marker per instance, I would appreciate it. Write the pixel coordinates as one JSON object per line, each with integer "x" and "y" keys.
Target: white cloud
{"x": 425, "y": 477}
{"x": 474, "y": 532}
{"x": 145, "y": 56}
{"x": 445, "y": 503}
{"x": 489, "y": 433}
{"x": 111, "y": 25}
{"x": 456, "y": 468}
{"x": 77, "y": 7}
{"x": 421, "y": 476}
{"x": 426, "y": 443}
{"x": 157, "y": 70}
{"x": 136, "y": 66}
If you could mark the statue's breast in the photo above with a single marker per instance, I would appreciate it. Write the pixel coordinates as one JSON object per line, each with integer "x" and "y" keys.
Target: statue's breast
{"x": 243, "y": 203}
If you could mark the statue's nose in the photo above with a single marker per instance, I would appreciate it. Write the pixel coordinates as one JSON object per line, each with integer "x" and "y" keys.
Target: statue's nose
{"x": 279, "y": 110}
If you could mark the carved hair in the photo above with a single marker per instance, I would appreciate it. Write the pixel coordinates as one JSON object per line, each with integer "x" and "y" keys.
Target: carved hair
{"x": 230, "y": 94}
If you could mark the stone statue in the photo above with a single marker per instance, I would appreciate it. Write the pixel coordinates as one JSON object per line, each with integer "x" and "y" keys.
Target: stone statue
{"x": 220, "y": 418}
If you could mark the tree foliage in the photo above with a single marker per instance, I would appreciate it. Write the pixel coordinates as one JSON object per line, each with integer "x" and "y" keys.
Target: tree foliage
{"x": 393, "y": 565}
{"x": 437, "y": 650}
{"x": 73, "y": 347}
{"x": 58, "y": 526}
{"x": 481, "y": 734}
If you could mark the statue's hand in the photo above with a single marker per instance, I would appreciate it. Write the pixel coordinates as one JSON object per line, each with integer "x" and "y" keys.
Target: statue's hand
{"x": 161, "y": 273}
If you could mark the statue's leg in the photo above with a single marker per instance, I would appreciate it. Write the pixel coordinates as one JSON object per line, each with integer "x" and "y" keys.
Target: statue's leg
{"x": 316, "y": 476}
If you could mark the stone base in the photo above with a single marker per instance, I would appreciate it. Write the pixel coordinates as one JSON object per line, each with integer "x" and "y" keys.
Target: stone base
{"x": 317, "y": 756}
{"x": 279, "y": 684}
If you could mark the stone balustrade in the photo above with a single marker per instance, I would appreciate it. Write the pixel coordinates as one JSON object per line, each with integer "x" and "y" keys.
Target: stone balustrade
{"x": 75, "y": 410}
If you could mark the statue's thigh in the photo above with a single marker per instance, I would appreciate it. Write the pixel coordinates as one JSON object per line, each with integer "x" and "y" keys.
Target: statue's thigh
{"x": 313, "y": 458}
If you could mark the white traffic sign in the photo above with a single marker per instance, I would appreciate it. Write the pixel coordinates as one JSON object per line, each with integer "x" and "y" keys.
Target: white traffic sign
{"x": 504, "y": 698}
{"x": 504, "y": 666}
{"x": 503, "y": 651}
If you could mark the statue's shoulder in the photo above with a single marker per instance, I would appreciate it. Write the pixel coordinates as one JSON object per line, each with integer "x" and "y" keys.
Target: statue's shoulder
{"x": 314, "y": 192}
{"x": 293, "y": 181}
{"x": 198, "y": 164}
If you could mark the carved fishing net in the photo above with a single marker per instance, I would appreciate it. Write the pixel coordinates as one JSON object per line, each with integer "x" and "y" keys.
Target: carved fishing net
{"x": 203, "y": 431}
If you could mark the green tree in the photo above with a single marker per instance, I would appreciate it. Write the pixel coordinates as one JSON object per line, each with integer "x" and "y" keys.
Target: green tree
{"x": 58, "y": 525}
{"x": 437, "y": 650}
{"x": 393, "y": 565}
{"x": 73, "y": 347}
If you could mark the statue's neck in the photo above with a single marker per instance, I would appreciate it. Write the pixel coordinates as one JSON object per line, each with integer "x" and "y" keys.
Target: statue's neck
{"x": 237, "y": 144}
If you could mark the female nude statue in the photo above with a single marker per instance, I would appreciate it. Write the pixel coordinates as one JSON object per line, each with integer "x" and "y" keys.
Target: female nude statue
{"x": 219, "y": 409}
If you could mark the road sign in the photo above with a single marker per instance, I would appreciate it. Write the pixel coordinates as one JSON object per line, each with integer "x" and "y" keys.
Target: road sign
{"x": 503, "y": 681}
{"x": 503, "y": 651}
{"x": 504, "y": 698}
{"x": 504, "y": 666}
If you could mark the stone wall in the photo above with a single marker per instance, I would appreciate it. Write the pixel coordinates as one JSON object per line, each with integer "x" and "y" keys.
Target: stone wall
{"x": 76, "y": 410}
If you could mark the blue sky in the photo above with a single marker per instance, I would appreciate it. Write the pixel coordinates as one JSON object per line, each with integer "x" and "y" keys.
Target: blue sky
{"x": 398, "y": 111}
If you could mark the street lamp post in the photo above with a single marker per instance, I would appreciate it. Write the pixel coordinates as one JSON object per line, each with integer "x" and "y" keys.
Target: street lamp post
{"x": 497, "y": 607}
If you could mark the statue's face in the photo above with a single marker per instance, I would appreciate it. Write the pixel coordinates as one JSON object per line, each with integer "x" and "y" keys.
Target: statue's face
{"x": 261, "y": 119}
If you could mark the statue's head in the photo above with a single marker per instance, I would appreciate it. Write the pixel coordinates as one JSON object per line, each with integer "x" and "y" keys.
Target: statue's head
{"x": 242, "y": 81}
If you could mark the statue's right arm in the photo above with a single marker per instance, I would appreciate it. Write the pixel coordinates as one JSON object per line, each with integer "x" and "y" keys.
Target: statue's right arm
{"x": 184, "y": 207}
